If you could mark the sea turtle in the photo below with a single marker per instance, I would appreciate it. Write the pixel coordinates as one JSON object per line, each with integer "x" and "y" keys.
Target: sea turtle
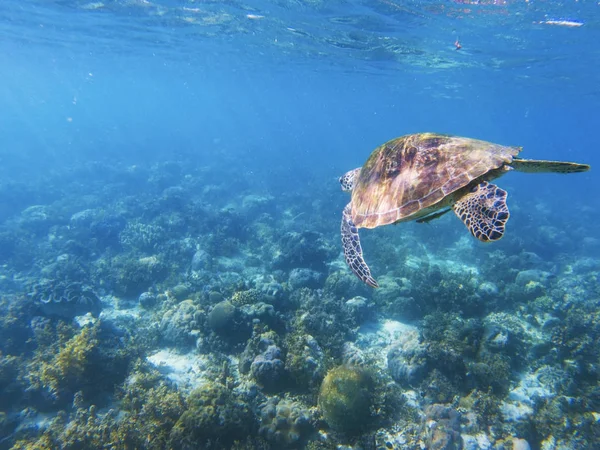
{"x": 423, "y": 176}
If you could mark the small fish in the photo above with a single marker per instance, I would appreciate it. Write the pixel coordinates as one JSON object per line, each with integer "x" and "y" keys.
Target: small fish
{"x": 562, "y": 23}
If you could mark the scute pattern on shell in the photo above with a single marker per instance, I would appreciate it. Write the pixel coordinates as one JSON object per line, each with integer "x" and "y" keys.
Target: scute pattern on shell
{"x": 410, "y": 173}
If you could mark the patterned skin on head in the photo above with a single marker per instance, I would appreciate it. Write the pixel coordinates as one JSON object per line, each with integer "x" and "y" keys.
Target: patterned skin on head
{"x": 348, "y": 179}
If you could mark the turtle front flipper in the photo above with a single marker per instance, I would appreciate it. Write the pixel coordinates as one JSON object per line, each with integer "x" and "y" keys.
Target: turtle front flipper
{"x": 483, "y": 210}
{"x": 352, "y": 249}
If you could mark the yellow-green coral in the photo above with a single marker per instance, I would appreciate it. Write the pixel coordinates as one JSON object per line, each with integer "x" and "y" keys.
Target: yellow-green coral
{"x": 346, "y": 398}
{"x": 43, "y": 443}
{"x": 66, "y": 367}
{"x": 248, "y": 297}
{"x": 153, "y": 408}
{"x": 149, "y": 409}
{"x": 305, "y": 361}
{"x": 213, "y": 413}
{"x": 155, "y": 404}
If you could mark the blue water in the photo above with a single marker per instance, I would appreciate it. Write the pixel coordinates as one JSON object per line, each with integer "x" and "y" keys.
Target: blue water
{"x": 305, "y": 89}
{"x": 281, "y": 98}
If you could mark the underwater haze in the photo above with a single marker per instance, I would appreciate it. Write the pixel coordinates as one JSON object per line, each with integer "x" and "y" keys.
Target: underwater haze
{"x": 171, "y": 268}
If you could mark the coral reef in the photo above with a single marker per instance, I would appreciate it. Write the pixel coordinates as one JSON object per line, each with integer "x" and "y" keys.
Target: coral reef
{"x": 129, "y": 275}
{"x": 300, "y": 277}
{"x": 346, "y": 398}
{"x": 179, "y": 325}
{"x": 141, "y": 236}
{"x": 147, "y": 299}
{"x": 213, "y": 413}
{"x": 442, "y": 428}
{"x": 268, "y": 367}
{"x": 67, "y": 367}
{"x": 305, "y": 361}
{"x": 222, "y": 317}
{"x": 178, "y": 306}
{"x": 407, "y": 360}
{"x": 360, "y": 310}
{"x": 10, "y": 383}
{"x": 90, "y": 360}
{"x": 229, "y": 322}
{"x": 303, "y": 250}
{"x": 16, "y": 332}
{"x": 285, "y": 423}
{"x": 264, "y": 360}
{"x": 200, "y": 261}
{"x": 65, "y": 299}
{"x": 246, "y": 297}
{"x": 150, "y": 409}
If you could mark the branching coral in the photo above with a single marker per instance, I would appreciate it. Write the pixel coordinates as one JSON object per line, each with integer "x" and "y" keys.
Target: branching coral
{"x": 65, "y": 370}
{"x": 92, "y": 359}
{"x": 149, "y": 409}
{"x": 142, "y": 236}
{"x": 247, "y": 297}
{"x": 214, "y": 413}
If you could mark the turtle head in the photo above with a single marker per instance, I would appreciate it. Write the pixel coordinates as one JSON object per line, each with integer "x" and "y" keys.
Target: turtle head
{"x": 348, "y": 179}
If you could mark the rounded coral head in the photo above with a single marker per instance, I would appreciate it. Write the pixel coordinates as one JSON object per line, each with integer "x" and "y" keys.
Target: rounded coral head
{"x": 346, "y": 397}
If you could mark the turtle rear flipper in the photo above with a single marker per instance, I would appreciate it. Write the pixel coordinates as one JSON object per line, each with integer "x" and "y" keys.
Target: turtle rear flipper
{"x": 541, "y": 166}
{"x": 352, "y": 249}
{"x": 484, "y": 211}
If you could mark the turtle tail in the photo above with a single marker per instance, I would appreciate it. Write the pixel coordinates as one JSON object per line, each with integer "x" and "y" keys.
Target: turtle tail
{"x": 540, "y": 165}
